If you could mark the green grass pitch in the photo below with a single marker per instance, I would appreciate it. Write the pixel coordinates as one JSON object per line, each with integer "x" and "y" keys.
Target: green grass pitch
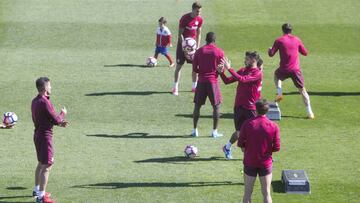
{"x": 127, "y": 133}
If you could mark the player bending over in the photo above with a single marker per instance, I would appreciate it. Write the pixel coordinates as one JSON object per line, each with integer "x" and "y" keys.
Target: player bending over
{"x": 289, "y": 47}
{"x": 205, "y": 63}
{"x": 163, "y": 41}
{"x": 44, "y": 118}
{"x": 248, "y": 91}
{"x": 189, "y": 26}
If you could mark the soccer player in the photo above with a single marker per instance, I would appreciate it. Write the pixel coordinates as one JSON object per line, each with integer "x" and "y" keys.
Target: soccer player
{"x": 259, "y": 138}
{"x": 44, "y": 118}
{"x": 205, "y": 63}
{"x": 163, "y": 41}
{"x": 189, "y": 26}
{"x": 248, "y": 92}
{"x": 289, "y": 47}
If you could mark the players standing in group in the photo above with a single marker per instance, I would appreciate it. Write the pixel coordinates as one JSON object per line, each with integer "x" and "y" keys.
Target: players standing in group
{"x": 189, "y": 26}
{"x": 289, "y": 47}
{"x": 205, "y": 63}
{"x": 248, "y": 92}
{"x": 163, "y": 41}
{"x": 44, "y": 118}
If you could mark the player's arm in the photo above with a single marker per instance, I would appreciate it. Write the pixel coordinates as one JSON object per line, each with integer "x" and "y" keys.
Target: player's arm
{"x": 242, "y": 137}
{"x": 272, "y": 50}
{"x": 243, "y": 79}
{"x": 195, "y": 63}
{"x": 276, "y": 140}
{"x": 198, "y": 37}
{"x": 302, "y": 49}
{"x": 227, "y": 80}
{"x": 170, "y": 40}
{"x": 56, "y": 119}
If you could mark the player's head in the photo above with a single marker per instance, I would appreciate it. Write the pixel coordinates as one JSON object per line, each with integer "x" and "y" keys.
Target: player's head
{"x": 286, "y": 28}
{"x": 196, "y": 8}
{"x": 262, "y": 107}
{"x": 162, "y": 21}
{"x": 251, "y": 58}
{"x": 260, "y": 64}
{"x": 43, "y": 85}
{"x": 210, "y": 37}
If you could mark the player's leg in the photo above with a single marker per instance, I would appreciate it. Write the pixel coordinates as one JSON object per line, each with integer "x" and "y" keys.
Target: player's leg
{"x": 199, "y": 100}
{"x": 180, "y": 60}
{"x": 196, "y": 116}
{"x": 214, "y": 94}
{"x": 249, "y": 181}
{"x": 168, "y": 57}
{"x": 278, "y": 86}
{"x": 37, "y": 180}
{"x": 298, "y": 81}
{"x": 265, "y": 187}
{"x": 194, "y": 81}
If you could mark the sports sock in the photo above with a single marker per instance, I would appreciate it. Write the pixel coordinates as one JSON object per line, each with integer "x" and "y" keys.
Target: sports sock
{"x": 214, "y": 131}
{"x": 41, "y": 194}
{"x": 228, "y": 145}
{"x": 176, "y": 85}
{"x": 309, "y": 110}
{"x": 194, "y": 84}
{"x": 37, "y": 188}
{"x": 279, "y": 91}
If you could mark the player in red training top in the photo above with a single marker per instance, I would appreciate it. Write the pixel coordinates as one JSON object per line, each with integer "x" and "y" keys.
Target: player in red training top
{"x": 248, "y": 92}
{"x": 189, "y": 26}
{"x": 205, "y": 63}
{"x": 289, "y": 47}
{"x": 163, "y": 41}
{"x": 44, "y": 118}
{"x": 259, "y": 138}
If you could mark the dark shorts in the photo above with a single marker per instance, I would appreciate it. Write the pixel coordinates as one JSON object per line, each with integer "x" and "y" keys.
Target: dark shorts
{"x": 241, "y": 115}
{"x": 180, "y": 56}
{"x": 296, "y": 76}
{"x": 161, "y": 50}
{"x": 253, "y": 172}
{"x": 207, "y": 89}
{"x": 44, "y": 149}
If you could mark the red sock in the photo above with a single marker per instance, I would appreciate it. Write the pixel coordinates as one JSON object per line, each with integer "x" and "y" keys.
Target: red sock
{"x": 169, "y": 58}
{"x": 156, "y": 55}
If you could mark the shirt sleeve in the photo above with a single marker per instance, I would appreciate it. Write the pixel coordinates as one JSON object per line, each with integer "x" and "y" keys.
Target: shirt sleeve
{"x": 274, "y": 49}
{"x": 242, "y": 138}
{"x": 200, "y": 23}
{"x": 302, "y": 49}
{"x": 247, "y": 78}
{"x": 55, "y": 118}
{"x": 182, "y": 23}
{"x": 276, "y": 140}
{"x": 227, "y": 80}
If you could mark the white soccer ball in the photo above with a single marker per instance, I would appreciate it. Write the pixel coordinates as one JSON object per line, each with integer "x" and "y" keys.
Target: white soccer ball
{"x": 9, "y": 119}
{"x": 191, "y": 151}
{"x": 151, "y": 62}
{"x": 189, "y": 47}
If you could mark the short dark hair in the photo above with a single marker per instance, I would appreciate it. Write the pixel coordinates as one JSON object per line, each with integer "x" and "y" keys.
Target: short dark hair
{"x": 210, "y": 37}
{"x": 286, "y": 28}
{"x": 196, "y": 5}
{"x": 40, "y": 83}
{"x": 162, "y": 20}
{"x": 252, "y": 54}
{"x": 262, "y": 107}
{"x": 260, "y": 62}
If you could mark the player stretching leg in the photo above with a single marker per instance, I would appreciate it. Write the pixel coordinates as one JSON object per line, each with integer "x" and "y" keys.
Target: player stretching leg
{"x": 248, "y": 92}
{"x": 163, "y": 41}
{"x": 289, "y": 47}
{"x": 205, "y": 63}
{"x": 189, "y": 26}
{"x": 44, "y": 117}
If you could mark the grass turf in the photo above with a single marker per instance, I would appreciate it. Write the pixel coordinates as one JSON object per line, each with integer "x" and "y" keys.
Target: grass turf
{"x": 127, "y": 132}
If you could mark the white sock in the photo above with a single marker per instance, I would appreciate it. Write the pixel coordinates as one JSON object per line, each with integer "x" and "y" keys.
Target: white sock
{"x": 41, "y": 194}
{"x": 194, "y": 84}
{"x": 214, "y": 131}
{"x": 228, "y": 145}
{"x": 309, "y": 110}
{"x": 37, "y": 188}
{"x": 176, "y": 85}
{"x": 279, "y": 90}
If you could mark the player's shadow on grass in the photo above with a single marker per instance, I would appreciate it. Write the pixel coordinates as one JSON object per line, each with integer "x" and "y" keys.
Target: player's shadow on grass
{"x": 14, "y": 197}
{"x": 128, "y": 65}
{"x": 16, "y": 188}
{"x": 278, "y": 186}
{"x": 140, "y": 135}
{"x": 182, "y": 159}
{"x": 328, "y": 94}
{"x": 294, "y": 117}
{"x": 119, "y": 185}
{"x": 223, "y": 115}
{"x": 127, "y": 93}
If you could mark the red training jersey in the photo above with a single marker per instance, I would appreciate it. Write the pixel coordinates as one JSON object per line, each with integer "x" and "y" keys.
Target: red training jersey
{"x": 190, "y": 25}
{"x": 44, "y": 116}
{"x": 260, "y": 137}
{"x": 289, "y": 47}
{"x": 249, "y": 86}
{"x": 206, "y": 60}
{"x": 163, "y": 36}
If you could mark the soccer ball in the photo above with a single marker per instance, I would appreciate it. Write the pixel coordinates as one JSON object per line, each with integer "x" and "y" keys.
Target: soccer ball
{"x": 191, "y": 151}
{"x": 189, "y": 47}
{"x": 151, "y": 62}
{"x": 9, "y": 119}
